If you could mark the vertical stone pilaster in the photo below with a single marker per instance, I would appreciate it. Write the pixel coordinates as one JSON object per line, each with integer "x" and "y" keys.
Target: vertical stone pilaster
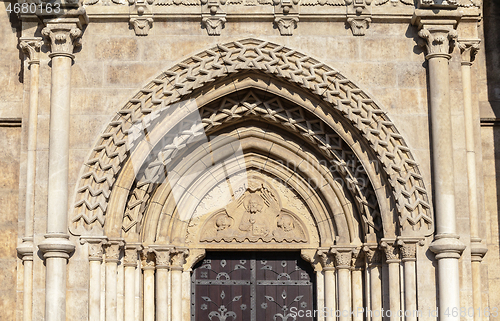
{"x": 437, "y": 29}
{"x": 61, "y": 34}
{"x": 468, "y": 49}
{"x": 31, "y": 48}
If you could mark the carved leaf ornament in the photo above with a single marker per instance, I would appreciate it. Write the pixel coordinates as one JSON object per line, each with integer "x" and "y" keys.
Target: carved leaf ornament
{"x": 114, "y": 146}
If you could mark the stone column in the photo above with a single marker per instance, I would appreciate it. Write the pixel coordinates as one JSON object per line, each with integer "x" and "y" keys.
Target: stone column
{"x": 62, "y": 34}
{"x": 130, "y": 266}
{"x": 357, "y": 267}
{"x": 162, "y": 282}
{"x": 437, "y": 28}
{"x": 177, "y": 261}
{"x": 391, "y": 251}
{"x": 148, "y": 267}
{"x": 374, "y": 261}
{"x": 327, "y": 262}
{"x": 112, "y": 249}
{"x": 95, "y": 249}
{"x": 343, "y": 257}
{"x": 468, "y": 50}
{"x": 31, "y": 48}
{"x": 408, "y": 249}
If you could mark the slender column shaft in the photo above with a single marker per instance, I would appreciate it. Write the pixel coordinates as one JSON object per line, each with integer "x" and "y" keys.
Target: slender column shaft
{"x": 410, "y": 291}
{"x": 111, "y": 291}
{"x": 357, "y": 294}
{"x": 186, "y": 286}
{"x": 161, "y": 293}
{"x": 438, "y": 30}
{"x": 375, "y": 292}
{"x": 55, "y": 289}
{"x": 28, "y": 290}
{"x": 394, "y": 301}
{"x": 344, "y": 304}
{"x": 468, "y": 49}
{"x": 330, "y": 295}
{"x": 94, "y": 290}
{"x": 149, "y": 294}
{"x": 31, "y": 47}
{"x": 129, "y": 293}
{"x": 176, "y": 294}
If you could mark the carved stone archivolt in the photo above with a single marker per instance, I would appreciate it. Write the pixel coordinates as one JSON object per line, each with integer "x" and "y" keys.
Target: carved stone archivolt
{"x": 256, "y": 216}
{"x": 112, "y": 150}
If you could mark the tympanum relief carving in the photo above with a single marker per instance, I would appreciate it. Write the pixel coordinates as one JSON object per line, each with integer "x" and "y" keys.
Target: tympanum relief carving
{"x": 256, "y": 216}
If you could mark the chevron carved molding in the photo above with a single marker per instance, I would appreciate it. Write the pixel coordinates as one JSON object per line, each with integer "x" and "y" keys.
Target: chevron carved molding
{"x": 113, "y": 147}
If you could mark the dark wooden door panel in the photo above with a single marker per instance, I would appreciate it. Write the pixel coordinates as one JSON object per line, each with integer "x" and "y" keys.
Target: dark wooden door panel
{"x": 251, "y": 286}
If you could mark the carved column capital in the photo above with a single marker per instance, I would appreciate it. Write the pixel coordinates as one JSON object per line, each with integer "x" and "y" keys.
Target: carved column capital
{"x": 391, "y": 250}
{"x": 437, "y": 29}
{"x": 358, "y": 259}
{"x": 95, "y": 246}
{"x": 26, "y": 248}
{"x": 468, "y": 50}
{"x": 31, "y": 48}
{"x": 447, "y": 246}
{"x": 162, "y": 256}
{"x": 131, "y": 250}
{"x": 343, "y": 256}
{"x": 408, "y": 248}
{"x": 148, "y": 259}
{"x": 178, "y": 258}
{"x": 112, "y": 248}
{"x": 326, "y": 258}
{"x": 373, "y": 255}
{"x": 64, "y": 34}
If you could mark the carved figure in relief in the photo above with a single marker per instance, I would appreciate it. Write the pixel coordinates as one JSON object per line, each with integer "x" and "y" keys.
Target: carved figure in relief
{"x": 256, "y": 216}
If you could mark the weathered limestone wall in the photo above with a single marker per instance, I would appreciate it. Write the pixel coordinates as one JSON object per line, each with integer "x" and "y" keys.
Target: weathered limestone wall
{"x": 11, "y": 102}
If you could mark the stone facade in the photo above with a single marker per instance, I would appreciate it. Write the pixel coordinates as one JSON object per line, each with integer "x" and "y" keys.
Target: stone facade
{"x": 138, "y": 135}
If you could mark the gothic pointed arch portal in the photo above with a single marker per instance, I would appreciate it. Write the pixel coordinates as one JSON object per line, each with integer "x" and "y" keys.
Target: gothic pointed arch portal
{"x": 249, "y": 145}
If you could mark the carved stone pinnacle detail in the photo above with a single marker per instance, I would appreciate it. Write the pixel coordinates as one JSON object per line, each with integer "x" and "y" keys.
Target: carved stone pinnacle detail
{"x": 468, "y": 50}
{"x": 63, "y": 38}
{"x": 359, "y": 25}
{"x": 439, "y": 40}
{"x": 31, "y": 48}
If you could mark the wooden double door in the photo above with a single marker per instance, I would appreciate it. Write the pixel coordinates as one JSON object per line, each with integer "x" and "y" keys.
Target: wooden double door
{"x": 252, "y": 286}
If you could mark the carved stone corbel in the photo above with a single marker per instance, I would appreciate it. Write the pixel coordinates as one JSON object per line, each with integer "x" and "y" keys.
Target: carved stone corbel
{"x": 213, "y": 14}
{"x": 142, "y": 20}
{"x": 359, "y": 16}
{"x": 286, "y": 16}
